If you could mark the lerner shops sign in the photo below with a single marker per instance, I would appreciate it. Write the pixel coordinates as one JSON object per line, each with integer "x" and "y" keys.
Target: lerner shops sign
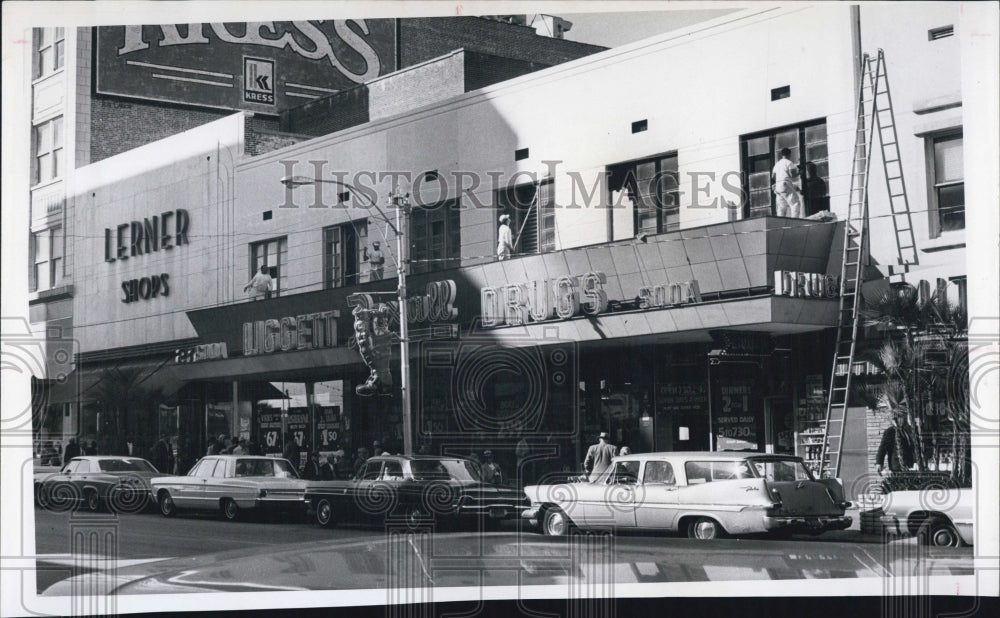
{"x": 132, "y": 239}
{"x": 568, "y": 296}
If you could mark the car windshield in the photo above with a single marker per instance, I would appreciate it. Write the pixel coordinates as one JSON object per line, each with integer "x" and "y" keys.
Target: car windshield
{"x": 445, "y": 469}
{"x": 278, "y": 468}
{"x": 125, "y": 465}
{"x": 781, "y": 469}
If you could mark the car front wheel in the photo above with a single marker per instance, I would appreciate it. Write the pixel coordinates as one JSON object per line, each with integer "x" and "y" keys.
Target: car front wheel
{"x": 324, "y": 513}
{"x": 167, "y": 506}
{"x": 555, "y": 523}
{"x": 92, "y": 500}
{"x": 704, "y": 529}
{"x": 939, "y": 532}
{"x": 230, "y": 509}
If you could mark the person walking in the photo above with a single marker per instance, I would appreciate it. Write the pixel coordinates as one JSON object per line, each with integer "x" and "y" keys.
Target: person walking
{"x": 599, "y": 456}
{"x": 312, "y": 469}
{"x": 72, "y": 450}
{"x": 376, "y": 261}
{"x": 326, "y": 470}
{"x": 261, "y": 284}
{"x": 788, "y": 202}
{"x": 491, "y": 469}
{"x": 895, "y": 445}
{"x": 505, "y": 240}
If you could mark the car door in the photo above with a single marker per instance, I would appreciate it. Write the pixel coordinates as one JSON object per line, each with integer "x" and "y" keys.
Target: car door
{"x": 656, "y": 495}
{"x": 63, "y": 476}
{"x": 182, "y": 488}
{"x": 218, "y": 485}
{"x": 197, "y": 488}
{"x": 622, "y": 495}
{"x": 364, "y": 500}
{"x": 80, "y": 476}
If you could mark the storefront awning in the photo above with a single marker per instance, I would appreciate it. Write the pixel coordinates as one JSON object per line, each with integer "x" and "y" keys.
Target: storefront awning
{"x": 84, "y": 384}
{"x": 277, "y": 366}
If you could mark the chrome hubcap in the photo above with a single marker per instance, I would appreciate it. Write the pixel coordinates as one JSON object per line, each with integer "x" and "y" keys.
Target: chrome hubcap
{"x": 324, "y": 512}
{"x": 704, "y": 530}
{"x": 557, "y": 524}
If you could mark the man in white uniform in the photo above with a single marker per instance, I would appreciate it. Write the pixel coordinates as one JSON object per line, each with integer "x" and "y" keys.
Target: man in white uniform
{"x": 788, "y": 202}
{"x": 505, "y": 242}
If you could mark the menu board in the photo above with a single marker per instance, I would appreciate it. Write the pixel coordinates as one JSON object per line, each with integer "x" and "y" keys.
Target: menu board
{"x": 328, "y": 430}
{"x": 270, "y": 431}
{"x": 736, "y": 414}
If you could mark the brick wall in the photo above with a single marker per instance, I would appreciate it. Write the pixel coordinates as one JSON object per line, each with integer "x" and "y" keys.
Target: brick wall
{"x": 417, "y": 86}
{"x": 482, "y": 70}
{"x": 425, "y": 38}
{"x": 347, "y": 108}
{"x": 118, "y": 125}
{"x": 261, "y": 135}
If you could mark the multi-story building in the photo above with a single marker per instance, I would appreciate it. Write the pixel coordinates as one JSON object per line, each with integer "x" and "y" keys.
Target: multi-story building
{"x": 645, "y": 296}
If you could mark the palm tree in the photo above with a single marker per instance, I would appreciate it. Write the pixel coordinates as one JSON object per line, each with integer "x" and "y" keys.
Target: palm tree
{"x": 922, "y": 352}
{"x": 120, "y": 391}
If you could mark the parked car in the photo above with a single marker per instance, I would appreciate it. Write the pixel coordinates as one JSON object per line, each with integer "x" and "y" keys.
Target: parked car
{"x": 118, "y": 483}
{"x": 232, "y": 484}
{"x": 938, "y": 516}
{"x": 414, "y": 489}
{"x": 703, "y": 495}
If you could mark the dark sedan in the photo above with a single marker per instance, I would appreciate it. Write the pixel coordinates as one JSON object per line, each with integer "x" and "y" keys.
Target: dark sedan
{"x": 119, "y": 483}
{"x": 414, "y": 490}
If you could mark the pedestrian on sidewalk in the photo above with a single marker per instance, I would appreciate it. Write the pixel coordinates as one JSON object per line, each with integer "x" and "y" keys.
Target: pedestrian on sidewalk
{"x": 599, "y": 456}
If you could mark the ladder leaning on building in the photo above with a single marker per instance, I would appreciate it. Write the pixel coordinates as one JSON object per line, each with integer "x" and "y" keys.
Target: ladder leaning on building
{"x": 874, "y": 116}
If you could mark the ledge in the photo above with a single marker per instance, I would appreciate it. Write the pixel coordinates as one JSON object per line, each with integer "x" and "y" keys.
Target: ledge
{"x": 57, "y": 293}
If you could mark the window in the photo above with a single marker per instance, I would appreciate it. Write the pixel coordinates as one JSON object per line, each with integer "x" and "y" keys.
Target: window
{"x": 220, "y": 469}
{"x": 50, "y": 50}
{"x": 343, "y": 246}
{"x": 48, "y": 147}
{"x": 371, "y": 471}
{"x": 435, "y": 237}
{"x": 47, "y": 262}
{"x": 393, "y": 471}
{"x": 708, "y": 471}
{"x": 83, "y": 467}
{"x": 658, "y": 472}
{"x": 71, "y": 467}
{"x": 781, "y": 470}
{"x": 946, "y": 178}
{"x": 206, "y": 469}
{"x": 272, "y": 253}
{"x": 760, "y": 151}
{"x": 625, "y": 472}
{"x": 532, "y": 216}
{"x": 651, "y": 186}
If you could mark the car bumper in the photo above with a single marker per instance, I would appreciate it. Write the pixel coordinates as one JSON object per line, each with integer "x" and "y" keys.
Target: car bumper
{"x": 491, "y": 511}
{"x": 269, "y": 503}
{"x": 816, "y": 524}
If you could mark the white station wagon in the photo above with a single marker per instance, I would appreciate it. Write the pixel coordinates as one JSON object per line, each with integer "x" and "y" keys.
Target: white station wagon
{"x": 701, "y": 494}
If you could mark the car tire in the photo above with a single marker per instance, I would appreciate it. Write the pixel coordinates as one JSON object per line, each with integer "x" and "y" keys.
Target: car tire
{"x": 92, "y": 500}
{"x": 704, "y": 529}
{"x": 230, "y": 510}
{"x": 938, "y": 532}
{"x": 556, "y": 522}
{"x": 324, "y": 513}
{"x": 167, "y": 506}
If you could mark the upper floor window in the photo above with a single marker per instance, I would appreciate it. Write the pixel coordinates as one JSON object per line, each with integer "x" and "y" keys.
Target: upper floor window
{"x": 47, "y": 256}
{"x": 760, "y": 151}
{"x": 47, "y": 142}
{"x": 435, "y": 237}
{"x": 532, "y": 216}
{"x": 50, "y": 50}
{"x": 273, "y": 254}
{"x": 946, "y": 179}
{"x": 343, "y": 250}
{"x": 651, "y": 185}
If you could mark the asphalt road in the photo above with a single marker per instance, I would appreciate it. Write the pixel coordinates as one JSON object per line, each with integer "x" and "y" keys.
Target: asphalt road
{"x": 61, "y": 538}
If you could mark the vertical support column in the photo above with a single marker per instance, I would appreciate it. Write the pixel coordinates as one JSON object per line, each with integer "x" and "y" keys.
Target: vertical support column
{"x": 311, "y": 402}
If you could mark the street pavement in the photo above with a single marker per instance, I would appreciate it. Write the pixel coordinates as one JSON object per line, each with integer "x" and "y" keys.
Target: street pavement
{"x": 134, "y": 539}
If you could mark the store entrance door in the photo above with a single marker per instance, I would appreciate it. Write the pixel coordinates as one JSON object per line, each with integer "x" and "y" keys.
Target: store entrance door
{"x": 779, "y": 426}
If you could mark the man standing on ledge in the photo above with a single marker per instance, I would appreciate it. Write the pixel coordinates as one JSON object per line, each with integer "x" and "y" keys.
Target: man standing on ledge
{"x": 599, "y": 456}
{"x": 260, "y": 285}
{"x": 787, "y": 201}
{"x": 376, "y": 262}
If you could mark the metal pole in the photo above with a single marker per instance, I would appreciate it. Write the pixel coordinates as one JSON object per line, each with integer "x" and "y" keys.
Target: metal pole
{"x": 404, "y": 341}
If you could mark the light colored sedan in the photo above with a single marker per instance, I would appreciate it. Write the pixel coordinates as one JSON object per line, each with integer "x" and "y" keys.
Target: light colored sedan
{"x": 701, "y": 494}
{"x": 232, "y": 484}
{"x": 938, "y": 516}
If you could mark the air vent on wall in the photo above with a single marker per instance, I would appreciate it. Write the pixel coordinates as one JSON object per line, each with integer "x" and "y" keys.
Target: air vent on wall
{"x": 431, "y": 175}
{"x": 267, "y": 215}
{"x": 343, "y": 197}
{"x": 939, "y": 33}
{"x": 521, "y": 155}
{"x": 640, "y": 125}
{"x": 781, "y": 93}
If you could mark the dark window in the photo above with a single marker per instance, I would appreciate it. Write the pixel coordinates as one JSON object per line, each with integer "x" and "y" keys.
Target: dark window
{"x": 272, "y": 253}
{"x": 532, "y": 216}
{"x": 521, "y": 155}
{"x": 939, "y": 33}
{"x": 651, "y": 186}
{"x": 760, "y": 151}
{"x": 658, "y": 472}
{"x": 435, "y": 237}
{"x": 946, "y": 174}
{"x": 371, "y": 470}
{"x": 267, "y": 215}
{"x": 781, "y": 93}
{"x": 393, "y": 470}
{"x": 625, "y": 472}
{"x": 639, "y": 126}
{"x": 342, "y": 253}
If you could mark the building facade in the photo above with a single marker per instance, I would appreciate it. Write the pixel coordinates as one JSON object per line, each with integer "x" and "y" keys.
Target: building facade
{"x": 652, "y": 291}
